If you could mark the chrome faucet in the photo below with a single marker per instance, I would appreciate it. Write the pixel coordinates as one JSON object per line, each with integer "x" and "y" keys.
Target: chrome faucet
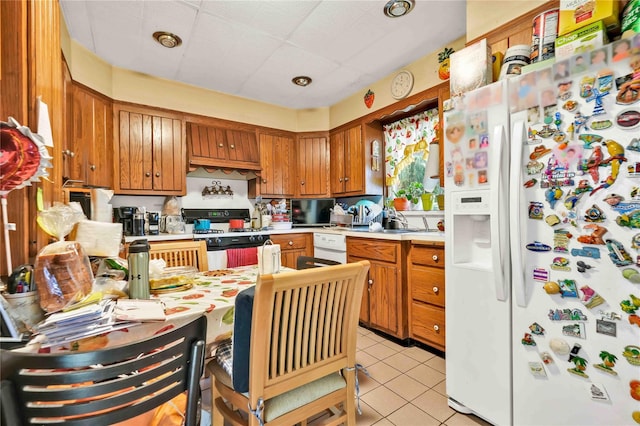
{"x": 426, "y": 224}
{"x": 402, "y": 219}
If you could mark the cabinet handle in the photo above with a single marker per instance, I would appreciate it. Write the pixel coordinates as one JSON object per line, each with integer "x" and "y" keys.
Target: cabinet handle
{"x": 301, "y": 182}
{"x": 92, "y": 167}
{"x": 147, "y": 174}
{"x": 340, "y": 180}
{"x": 436, "y": 328}
{"x": 346, "y": 179}
{"x": 68, "y": 153}
{"x": 434, "y": 257}
{"x": 220, "y": 145}
{"x": 290, "y": 243}
{"x": 157, "y": 174}
{"x": 370, "y": 282}
{"x": 232, "y": 146}
{"x": 264, "y": 181}
{"x": 436, "y": 290}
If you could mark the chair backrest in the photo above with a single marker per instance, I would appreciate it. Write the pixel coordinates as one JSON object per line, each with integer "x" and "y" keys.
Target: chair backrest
{"x": 182, "y": 253}
{"x": 108, "y": 385}
{"x": 306, "y": 262}
{"x": 304, "y": 326}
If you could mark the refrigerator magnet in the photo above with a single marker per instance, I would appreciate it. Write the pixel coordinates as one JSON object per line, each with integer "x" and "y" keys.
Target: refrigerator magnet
{"x": 628, "y": 119}
{"x": 588, "y": 139}
{"x": 583, "y": 267}
{"x": 527, "y": 340}
{"x": 628, "y": 306}
{"x": 597, "y": 392}
{"x": 546, "y": 358}
{"x": 559, "y": 346}
{"x": 560, "y": 264}
{"x": 536, "y": 210}
{"x": 536, "y": 329}
{"x": 537, "y": 369}
{"x": 540, "y": 274}
{"x": 608, "y": 328}
{"x": 590, "y": 299}
{"x": 566, "y": 314}
{"x": 634, "y": 145}
{"x": 617, "y": 252}
{"x": 596, "y": 235}
{"x": 574, "y": 330}
{"x": 568, "y": 288}
{"x": 538, "y": 246}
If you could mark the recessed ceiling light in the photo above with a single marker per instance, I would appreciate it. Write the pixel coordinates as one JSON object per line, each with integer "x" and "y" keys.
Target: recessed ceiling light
{"x": 398, "y": 8}
{"x": 167, "y": 39}
{"x": 301, "y": 80}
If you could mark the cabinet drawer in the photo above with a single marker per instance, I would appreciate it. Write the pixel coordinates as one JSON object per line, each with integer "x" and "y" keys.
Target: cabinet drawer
{"x": 427, "y": 324}
{"x": 373, "y": 249}
{"x": 427, "y": 255}
{"x": 290, "y": 241}
{"x": 427, "y": 285}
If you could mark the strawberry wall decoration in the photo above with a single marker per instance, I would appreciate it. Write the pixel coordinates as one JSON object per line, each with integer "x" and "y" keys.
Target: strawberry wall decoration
{"x": 368, "y": 98}
{"x": 443, "y": 59}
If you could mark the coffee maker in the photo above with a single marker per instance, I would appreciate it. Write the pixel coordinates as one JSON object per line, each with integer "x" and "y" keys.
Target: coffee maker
{"x": 124, "y": 215}
{"x": 153, "y": 223}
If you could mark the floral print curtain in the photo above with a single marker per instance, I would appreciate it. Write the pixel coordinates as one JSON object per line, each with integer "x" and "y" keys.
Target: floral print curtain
{"x": 407, "y": 147}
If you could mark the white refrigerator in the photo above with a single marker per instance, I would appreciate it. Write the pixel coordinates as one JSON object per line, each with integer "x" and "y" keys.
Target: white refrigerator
{"x": 542, "y": 188}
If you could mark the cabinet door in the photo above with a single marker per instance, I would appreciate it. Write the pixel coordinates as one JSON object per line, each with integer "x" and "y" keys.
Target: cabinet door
{"x": 206, "y": 142}
{"x": 354, "y": 161}
{"x": 242, "y": 147}
{"x": 337, "y": 145}
{"x": 384, "y": 291}
{"x": 292, "y": 246}
{"x": 347, "y": 162}
{"x": 90, "y": 143}
{"x": 313, "y": 167}
{"x": 150, "y": 154}
{"x": 168, "y": 155}
{"x": 100, "y": 158}
{"x": 276, "y": 158}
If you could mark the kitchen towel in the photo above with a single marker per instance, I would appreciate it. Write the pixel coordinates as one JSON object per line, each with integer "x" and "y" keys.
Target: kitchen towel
{"x": 242, "y": 257}
{"x": 269, "y": 260}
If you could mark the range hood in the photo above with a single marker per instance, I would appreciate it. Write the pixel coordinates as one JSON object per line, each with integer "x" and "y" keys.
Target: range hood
{"x": 218, "y": 173}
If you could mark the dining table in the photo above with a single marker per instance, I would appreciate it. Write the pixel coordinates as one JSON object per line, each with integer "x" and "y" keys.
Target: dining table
{"x": 210, "y": 293}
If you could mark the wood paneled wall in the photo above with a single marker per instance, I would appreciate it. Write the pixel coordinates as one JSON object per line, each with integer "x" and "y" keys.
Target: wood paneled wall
{"x": 30, "y": 68}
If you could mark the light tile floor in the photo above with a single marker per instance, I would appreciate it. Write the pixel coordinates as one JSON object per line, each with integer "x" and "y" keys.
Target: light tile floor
{"x": 405, "y": 387}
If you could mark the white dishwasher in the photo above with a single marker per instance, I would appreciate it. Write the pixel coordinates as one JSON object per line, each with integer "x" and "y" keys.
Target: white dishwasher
{"x": 330, "y": 246}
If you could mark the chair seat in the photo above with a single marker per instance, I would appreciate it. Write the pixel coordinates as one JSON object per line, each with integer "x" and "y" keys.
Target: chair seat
{"x": 290, "y": 400}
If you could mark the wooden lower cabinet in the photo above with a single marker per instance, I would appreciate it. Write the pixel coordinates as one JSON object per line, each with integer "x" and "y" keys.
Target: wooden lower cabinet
{"x": 384, "y": 297}
{"x": 292, "y": 246}
{"x": 427, "y": 294}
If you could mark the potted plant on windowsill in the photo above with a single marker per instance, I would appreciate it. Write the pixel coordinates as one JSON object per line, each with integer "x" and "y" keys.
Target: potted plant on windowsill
{"x": 408, "y": 195}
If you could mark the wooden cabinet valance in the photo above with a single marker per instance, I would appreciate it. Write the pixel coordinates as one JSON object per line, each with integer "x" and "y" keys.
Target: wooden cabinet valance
{"x": 217, "y": 147}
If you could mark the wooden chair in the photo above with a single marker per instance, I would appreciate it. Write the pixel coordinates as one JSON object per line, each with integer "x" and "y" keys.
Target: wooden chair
{"x": 182, "y": 253}
{"x": 302, "y": 350}
{"x": 306, "y": 262}
{"x": 105, "y": 386}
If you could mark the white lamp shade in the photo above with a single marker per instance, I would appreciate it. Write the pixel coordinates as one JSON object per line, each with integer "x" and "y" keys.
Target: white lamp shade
{"x": 433, "y": 162}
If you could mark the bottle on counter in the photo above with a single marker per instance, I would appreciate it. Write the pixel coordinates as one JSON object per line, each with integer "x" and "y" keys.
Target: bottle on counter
{"x": 256, "y": 218}
{"x": 139, "y": 269}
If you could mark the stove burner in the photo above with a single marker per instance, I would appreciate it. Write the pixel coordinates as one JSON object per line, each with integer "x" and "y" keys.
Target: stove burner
{"x": 208, "y": 231}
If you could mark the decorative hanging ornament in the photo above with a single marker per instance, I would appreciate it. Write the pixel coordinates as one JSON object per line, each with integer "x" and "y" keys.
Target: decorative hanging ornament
{"x": 443, "y": 59}
{"x": 23, "y": 157}
{"x": 368, "y": 98}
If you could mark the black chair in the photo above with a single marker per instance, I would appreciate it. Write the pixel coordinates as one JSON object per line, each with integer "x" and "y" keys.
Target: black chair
{"x": 105, "y": 386}
{"x": 306, "y": 262}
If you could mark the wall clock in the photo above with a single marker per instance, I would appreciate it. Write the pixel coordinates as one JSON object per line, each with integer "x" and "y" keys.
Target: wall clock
{"x": 401, "y": 84}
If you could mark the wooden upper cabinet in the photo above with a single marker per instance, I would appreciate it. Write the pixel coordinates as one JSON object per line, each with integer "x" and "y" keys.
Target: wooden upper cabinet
{"x": 88, "y": 150}
{"x": 150, "y": 152}
{"x": 346, "y": 161}
{"x": 212, "y": 146}
{"x": 277, "y": 158}
{"x": 351, "y": 167}
{"x": 312, "y": 166}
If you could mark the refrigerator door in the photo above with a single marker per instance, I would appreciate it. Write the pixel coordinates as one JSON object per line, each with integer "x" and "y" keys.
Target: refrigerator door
{"x": 573, "y": 325}
{"x": 478, "y": 302}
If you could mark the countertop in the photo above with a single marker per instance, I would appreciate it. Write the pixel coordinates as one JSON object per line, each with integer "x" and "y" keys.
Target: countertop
{"x": 395, "y": 235}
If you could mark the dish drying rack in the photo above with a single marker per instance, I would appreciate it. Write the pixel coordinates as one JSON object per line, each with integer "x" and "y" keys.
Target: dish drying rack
{"x": 349, "y": 220}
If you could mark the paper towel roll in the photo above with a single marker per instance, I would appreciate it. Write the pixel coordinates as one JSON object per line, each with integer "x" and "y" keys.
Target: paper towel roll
{"x": 101, "y": 210}
{"x": 269, "y": 260}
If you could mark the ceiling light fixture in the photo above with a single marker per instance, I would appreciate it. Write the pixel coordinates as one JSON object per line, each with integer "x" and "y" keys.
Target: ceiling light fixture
{"x": 398, "y": 8}
{"x": 166, "y": 39}
{"x": 301, "y": 80}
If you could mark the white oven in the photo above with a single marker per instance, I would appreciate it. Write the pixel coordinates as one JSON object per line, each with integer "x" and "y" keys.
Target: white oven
{"x": 330, "y": 246}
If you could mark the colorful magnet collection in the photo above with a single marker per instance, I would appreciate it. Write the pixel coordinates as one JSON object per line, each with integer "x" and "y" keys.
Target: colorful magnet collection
{"x": 580, "y": 173}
